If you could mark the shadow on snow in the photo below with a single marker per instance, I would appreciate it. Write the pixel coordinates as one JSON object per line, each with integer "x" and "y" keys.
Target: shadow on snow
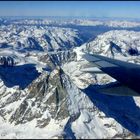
{"x": 122, "y": 108}
{"x": 21, "y": 75}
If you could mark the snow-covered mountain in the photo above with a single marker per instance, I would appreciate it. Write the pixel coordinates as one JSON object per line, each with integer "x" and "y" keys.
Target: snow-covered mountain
{"x": 54, "y": 104}
{"x": 116, "y": 43}
{"x": 46, "y": 95}
{"x": 74, "y": 21}
{"x": 39, "y": 38}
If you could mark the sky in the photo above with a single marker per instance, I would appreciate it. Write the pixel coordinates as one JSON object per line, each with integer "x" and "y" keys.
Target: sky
{"x": 120, "y": 9}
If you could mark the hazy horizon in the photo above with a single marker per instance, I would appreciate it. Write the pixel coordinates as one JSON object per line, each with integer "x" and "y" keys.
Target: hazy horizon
{"x": 84, "y": 9}
{"x": 69, "y": 18}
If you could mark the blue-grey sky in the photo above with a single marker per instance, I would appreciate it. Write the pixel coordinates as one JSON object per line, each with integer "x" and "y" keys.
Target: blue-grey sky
{"x": 120, "y": 9}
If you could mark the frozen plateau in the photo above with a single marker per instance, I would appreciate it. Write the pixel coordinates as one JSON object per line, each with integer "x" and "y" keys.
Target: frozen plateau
{"x": 46, "y": 95}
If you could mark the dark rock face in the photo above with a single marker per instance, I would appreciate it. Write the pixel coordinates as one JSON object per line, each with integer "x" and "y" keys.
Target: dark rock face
{"x": 114, "y": 46}
{"x": 6, "y": 61}
{"x": 32, "y": 44}
{"x": 133, "y": 51}
{"x": 46, "y": 59}
{"x": 58, "y": 58}
{"x": 45, "y": 94}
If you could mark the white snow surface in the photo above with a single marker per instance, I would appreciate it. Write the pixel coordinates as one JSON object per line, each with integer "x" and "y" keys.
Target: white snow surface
{"x": 83, "y": 22}
{"x": 99, "y": 116}
{"x": 29, "y": 131}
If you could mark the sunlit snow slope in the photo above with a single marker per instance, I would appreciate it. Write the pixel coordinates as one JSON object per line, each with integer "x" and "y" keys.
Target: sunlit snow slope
{"x": 46, "y": 95}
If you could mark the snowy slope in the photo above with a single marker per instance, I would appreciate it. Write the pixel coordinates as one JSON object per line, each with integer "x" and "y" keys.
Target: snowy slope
{"x": 38, "y": 38}
{"x": 117, "y": 44}
{"x": 70, "y": 113}
{"x": 75, "y": 21}
{"x": 46, "y": 95}
{"x": 122, "y": 44}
